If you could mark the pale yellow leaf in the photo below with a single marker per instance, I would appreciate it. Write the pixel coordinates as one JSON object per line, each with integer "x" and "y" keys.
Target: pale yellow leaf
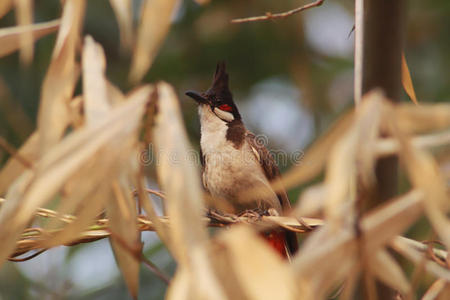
{"x": 24, "y": 16}
{"x": 154, "y": 25}
{"x": 436, "y": 288}
{"x": 10, "y": 36}
{"x": 63, "y": 160}
{"x": 410, "y": 250}
{"x": 121, "y": 210}
{"x": 407, "y": 81}
{"x": 179, "y": 177}
{"x": 5, "y": 6}
{"x": 385, "y": 267}
{"x": 14, "y": 168}
{"x": 261, "y": 274}
{"x": 60, "y": 80}
{"x": 96, "y": 104}
{"x": 124, "y": 14}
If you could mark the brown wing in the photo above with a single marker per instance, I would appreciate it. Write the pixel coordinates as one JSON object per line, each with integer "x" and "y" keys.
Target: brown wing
{"x": 272, "y": 173}
{"x": 269, "y": 166}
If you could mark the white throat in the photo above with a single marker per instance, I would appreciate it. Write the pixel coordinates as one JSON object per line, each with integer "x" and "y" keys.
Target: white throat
{"x": 213, "y": 130}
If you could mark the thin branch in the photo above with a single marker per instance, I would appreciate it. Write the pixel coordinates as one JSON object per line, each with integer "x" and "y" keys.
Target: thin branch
{"x": 270, "y": 16}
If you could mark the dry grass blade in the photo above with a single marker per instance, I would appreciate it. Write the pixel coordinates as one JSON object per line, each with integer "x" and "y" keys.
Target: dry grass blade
{"x": 124, "y": 14}
{"x": 407, "y": 81}
{"x": 29, "y": 192}
{"x": 122, "y": 212}
{"x": 5, "y": 7}
{"x": 259, "y": 274}
{"x": 412, "y": 251}
{"x": 10, "y": 37}
{"x": 16, "y": 166}
{"x": 154, "y": 24}
{"x": 416, "y": 119}
{"x": 24, "y": 15}
{"x": 61, "y": 77}
{"x": 95, "y": 91}
{"x": 384, "y": 267}
{"x": 389, "y": 146}
{"x": 439, "y": 290}
{"x": 352, "y": 158}
{"x": 335, "y": 253}
{"x": 317, "y": 155}
{"x": 424, "y": 174}
{"x": 179, "y": 178}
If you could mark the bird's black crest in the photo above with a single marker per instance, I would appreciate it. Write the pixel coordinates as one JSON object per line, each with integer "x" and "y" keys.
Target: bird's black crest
{"x": 219, "y": 86}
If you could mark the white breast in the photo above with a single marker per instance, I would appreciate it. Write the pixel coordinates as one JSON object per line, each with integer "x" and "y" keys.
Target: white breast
{"x": 228, "y": 171}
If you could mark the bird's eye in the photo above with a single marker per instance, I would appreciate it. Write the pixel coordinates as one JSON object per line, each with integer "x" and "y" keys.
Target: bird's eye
{"x": 225, "y": 107}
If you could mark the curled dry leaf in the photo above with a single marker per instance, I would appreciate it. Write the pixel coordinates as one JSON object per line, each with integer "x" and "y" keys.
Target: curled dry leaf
{"x": 10, "y": 37}
{"x": 407, "y": 81}
{"x": 124, "y": 14}
{"x": 179, "y": 179}
{"x": 59, "y": 82}
{"x": 24, "y": 15}
{"x": 155, "y": 21}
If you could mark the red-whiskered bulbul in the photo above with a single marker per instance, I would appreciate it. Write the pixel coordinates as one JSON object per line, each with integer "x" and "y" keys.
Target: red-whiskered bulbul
{"x": 233, "y": 161}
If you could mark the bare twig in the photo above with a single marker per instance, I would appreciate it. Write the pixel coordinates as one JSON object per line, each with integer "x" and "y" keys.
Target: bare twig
{"x": 270, "y": 16}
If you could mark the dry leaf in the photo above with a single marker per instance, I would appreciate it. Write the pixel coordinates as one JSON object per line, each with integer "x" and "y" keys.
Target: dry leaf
{"x": 124, "y": 14}
{"x": 180, "y": 179}
{"x": 24, "y": 16}
{"x": 62, "y": 75}
{"x": 261, "y": 274}
{"x": 155, "y": 21}
{"x": 10, "y": 36}
{"x": 95, "y": 92}
{"x": 62, "y": 161}
{"x": 386, "y": 268}
{"x": 5, "y": 6}
{"x": 121, "y": 210}
{"x": 14, "y": 167}
{"x": 407, "y": 81}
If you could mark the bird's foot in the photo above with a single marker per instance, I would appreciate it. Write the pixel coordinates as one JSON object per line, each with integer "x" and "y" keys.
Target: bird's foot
{"x": 221, "y": 217}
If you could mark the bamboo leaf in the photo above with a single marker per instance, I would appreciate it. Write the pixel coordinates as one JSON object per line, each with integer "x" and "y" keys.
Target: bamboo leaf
{"x": 5, "y": 7}
{"x": 64, "y": 160}
{"x": 154, "y": 25}
{"x": 407, "y": 81}
{"x": 122, "y": 212}
{"x": 62, "y": 75}
{"x": 179, "y": 178}
{"x": 124, "y": 14}
{"x": 10, "y": 37}
{"x": 96, "y": 104}
{"x": 24, "y": 15}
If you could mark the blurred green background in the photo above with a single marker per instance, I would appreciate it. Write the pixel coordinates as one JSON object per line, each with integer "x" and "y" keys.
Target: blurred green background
{"x": 290, "y": 78}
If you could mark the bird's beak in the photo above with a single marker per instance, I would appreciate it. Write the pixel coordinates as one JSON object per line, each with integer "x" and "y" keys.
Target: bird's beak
{"x": 197, "y": 97}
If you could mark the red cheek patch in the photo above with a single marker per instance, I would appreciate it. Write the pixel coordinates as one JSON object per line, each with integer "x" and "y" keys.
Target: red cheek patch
{"x": 225, "y": 107}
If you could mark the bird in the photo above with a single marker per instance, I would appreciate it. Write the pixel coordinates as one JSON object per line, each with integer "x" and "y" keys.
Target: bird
{"x": 234, "y": 161}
